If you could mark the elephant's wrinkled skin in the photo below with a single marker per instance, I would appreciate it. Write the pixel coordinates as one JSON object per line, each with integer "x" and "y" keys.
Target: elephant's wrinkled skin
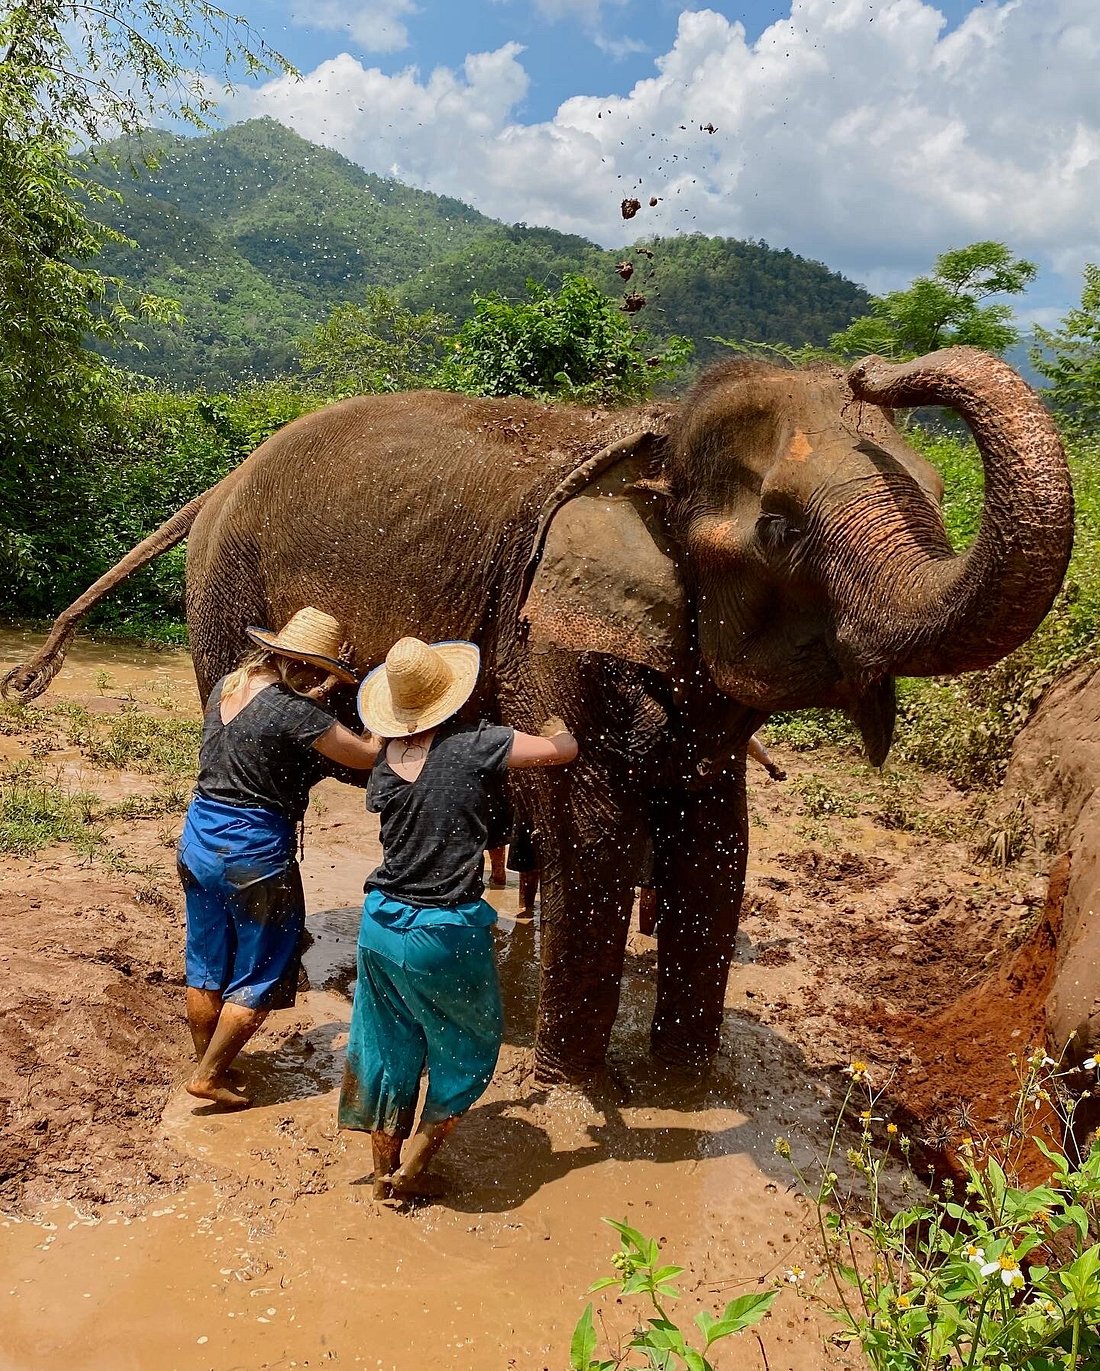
{"x": 662, "y": 579}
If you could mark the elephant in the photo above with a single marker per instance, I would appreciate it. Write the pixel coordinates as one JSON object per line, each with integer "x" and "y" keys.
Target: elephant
{"x": 663, "y": 578}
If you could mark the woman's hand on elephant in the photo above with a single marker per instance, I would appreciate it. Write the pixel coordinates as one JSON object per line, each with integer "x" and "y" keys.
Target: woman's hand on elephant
{"x": 325, "y": 688}
{"x": 552, "y": 727}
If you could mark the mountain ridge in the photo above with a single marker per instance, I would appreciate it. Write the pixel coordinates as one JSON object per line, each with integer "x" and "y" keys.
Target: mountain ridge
{"x": 260, "y": 234}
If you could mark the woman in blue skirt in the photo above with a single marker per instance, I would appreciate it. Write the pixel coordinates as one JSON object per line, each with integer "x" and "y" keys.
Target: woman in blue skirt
{"x": 427, "y": 996}
{"x": 267, "y": 739}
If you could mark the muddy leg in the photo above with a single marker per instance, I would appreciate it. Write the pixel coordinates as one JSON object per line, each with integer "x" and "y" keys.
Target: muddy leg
{"x": 647, "y": 910}
{"x": 429, "y": 1138}
{"x": 386, "y": 1149}
{"x": 702, "y": 879}
{"x": 587, "y": 897}
{"x": 236, "y": 1025}
{"x": 498, "y": 877}
{"x": 203, "y": 1008}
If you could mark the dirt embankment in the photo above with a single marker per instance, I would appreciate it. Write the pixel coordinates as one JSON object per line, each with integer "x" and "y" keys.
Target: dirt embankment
{"x": 1056, "y": 761}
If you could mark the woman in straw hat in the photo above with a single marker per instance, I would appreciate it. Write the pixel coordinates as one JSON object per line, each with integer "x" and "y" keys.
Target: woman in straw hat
{"x": 427, "y": 996}
{"x": 267, "y": 739}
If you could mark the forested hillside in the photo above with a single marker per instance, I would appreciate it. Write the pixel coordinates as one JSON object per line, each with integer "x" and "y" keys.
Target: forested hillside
{"x": 259, "y": 234}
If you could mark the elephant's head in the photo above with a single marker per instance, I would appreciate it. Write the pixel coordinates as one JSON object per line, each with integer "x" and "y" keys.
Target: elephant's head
{"x": 800, "y": 548}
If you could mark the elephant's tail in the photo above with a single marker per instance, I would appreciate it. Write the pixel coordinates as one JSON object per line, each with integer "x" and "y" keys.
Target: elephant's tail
{"x": 30, "y": 678}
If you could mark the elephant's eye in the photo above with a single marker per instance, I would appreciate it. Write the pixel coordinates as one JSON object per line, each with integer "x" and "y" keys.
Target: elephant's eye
{"x": 775, "y": 531}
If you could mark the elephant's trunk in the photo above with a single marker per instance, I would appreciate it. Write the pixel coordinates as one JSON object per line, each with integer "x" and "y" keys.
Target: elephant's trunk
{"x": 963, "y": 613}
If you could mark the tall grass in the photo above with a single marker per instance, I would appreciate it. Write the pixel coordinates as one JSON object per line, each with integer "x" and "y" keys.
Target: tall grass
{"x": 35, "y": 814}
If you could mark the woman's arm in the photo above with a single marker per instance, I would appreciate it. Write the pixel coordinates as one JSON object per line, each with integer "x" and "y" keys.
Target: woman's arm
{"x": 340, "y": 744}
{"x": 759, "y": 753}
{"x": 554, "y": 745}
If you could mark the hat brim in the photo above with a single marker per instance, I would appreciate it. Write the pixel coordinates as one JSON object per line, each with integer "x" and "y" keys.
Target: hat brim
{"x": 269, "y": 641}
{"x": 382, "y": 717}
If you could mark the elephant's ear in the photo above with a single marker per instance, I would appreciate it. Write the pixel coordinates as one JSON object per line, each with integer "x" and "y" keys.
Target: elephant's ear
{"x": 605, "y": 577}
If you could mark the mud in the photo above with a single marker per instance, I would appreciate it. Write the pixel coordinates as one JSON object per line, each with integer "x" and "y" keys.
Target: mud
{"x": 141, "y": 1230}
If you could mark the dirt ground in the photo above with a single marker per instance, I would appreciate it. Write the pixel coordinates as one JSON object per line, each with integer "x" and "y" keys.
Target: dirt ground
{"x": 141, "y": 1231}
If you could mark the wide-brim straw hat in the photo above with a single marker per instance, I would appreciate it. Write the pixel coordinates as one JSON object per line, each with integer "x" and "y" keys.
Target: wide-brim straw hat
{"x": 310, "y": 636}
{"x": 418, "y": 686}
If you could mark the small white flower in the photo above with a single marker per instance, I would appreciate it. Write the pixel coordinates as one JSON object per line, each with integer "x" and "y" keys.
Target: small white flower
{"x": 1009, "y": 1270}
{"x": 794, "y": 1274}
{"x": 973, "y": 1253}
{"x": 1089, "y": 1064}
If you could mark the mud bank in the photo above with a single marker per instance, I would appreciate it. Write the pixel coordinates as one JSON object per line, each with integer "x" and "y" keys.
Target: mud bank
{"x": 1056, "y": 761}
{"x": 142, "y": 1231}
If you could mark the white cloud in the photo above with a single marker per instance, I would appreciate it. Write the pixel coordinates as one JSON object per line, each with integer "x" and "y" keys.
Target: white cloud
{"x": 377, "y": 26}
{"x": 854, "y": 132}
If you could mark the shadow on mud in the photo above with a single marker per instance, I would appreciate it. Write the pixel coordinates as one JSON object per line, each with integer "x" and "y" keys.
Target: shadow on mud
{"x": 523, "y": 1136}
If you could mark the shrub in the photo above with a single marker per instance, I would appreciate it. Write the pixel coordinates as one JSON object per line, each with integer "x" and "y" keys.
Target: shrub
{"x": 1001, "y": 1276}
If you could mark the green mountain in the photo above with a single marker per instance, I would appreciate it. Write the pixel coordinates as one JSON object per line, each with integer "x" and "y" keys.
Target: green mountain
{"x": 259, "y": 234}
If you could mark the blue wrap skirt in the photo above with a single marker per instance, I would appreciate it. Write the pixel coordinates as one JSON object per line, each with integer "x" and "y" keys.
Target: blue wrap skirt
{"x": 245, "y": 906}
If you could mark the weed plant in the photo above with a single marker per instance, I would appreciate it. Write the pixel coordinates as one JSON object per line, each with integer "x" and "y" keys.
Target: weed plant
{"x": 657, "y": 1341}
{"x": 991, "y": 1274}
{"x": 134, "y": 741}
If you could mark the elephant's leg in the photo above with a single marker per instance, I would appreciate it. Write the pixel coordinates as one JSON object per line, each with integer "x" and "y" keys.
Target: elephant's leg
{"x": 587, "y": 894}
{"x": 702, "y": 839}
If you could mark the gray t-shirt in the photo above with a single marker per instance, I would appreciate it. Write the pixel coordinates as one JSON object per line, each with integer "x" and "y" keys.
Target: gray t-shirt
{"x": 264, "y": 756}
{"x": 434, "y": 829}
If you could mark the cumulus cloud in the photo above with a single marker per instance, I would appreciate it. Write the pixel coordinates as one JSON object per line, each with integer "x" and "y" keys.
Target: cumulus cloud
{"x": 377, "y": 26}
{"x": 858, "y": 133}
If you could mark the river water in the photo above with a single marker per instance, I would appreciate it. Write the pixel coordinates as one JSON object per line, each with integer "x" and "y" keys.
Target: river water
{"x": 106, "y": 667}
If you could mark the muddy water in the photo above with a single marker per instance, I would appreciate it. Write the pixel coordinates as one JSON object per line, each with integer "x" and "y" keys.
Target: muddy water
{"x": 276, "y": 1256}
{"x": 106, "y": 669}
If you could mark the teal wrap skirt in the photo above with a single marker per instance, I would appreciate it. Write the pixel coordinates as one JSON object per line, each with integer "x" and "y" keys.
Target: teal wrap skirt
{"x": 427, "y": 999}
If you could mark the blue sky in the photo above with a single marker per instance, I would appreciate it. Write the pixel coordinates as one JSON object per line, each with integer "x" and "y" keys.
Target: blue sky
{"x": 868, "y": 134}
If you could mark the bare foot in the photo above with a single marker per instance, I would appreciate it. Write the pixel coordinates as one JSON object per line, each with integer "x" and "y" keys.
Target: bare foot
{"x": 420, "y": 1187}
{"x": 221, "y": 1095}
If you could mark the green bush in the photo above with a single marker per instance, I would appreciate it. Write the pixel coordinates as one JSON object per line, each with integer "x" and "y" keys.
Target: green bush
{"x": 995, "y": 1274}
{"x": 69, "y": 515}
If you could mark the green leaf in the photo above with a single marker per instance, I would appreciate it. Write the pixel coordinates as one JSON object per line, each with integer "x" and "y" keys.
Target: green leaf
{"x": 583, "y": 1343}
{"x": 602, "y": 1284}
{"x": 741, "y": 1313}
{"x": 631, "y": 1235}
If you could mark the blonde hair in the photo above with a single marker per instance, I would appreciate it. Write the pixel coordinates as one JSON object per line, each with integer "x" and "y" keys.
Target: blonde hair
{"x": 297, "y": 676}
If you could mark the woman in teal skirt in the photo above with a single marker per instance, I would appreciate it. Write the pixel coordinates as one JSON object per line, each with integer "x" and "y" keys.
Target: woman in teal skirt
{"x": 427, "y": 997}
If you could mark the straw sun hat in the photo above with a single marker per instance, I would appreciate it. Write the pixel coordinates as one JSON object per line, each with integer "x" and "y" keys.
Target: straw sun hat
{"x": 310, "y": 636}
{"x": 418, "y": 686}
